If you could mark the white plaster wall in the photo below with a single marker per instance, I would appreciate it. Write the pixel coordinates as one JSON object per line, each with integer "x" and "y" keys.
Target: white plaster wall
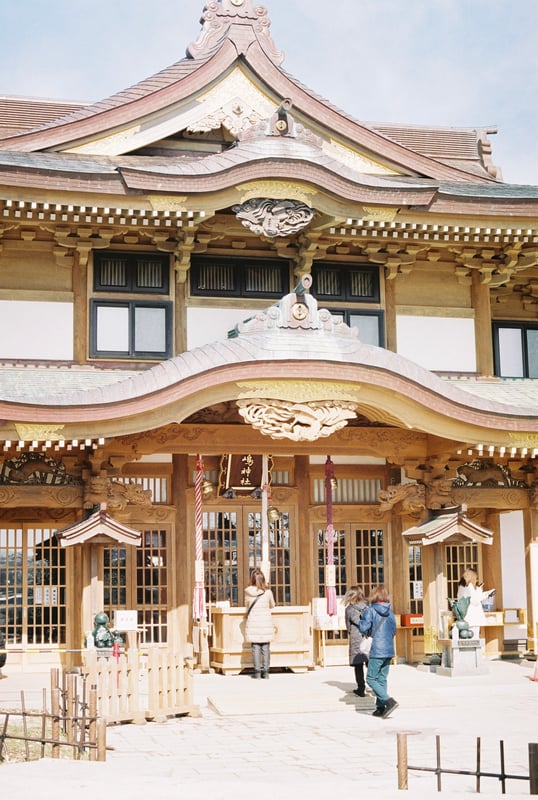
{"x": 206, "y": 325}
{"x": 38, "y": 330}
{"x": 513, "y": 560}
{"x": 444, "y": 344}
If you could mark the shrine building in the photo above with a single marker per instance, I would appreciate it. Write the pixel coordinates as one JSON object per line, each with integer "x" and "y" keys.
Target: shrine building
{"x": 239, "y": 328}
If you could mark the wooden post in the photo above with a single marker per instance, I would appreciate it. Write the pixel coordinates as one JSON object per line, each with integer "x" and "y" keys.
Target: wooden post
{"x": 533, "y": 767}
{"x": 92, "y": 727}
{"x": 101, "y": 739}
{"x": 55, "y": 710}
{"x": 401, "y": 741}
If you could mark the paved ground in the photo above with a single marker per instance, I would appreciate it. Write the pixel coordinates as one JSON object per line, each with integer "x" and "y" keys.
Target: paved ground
{"x": 304, "y": 733}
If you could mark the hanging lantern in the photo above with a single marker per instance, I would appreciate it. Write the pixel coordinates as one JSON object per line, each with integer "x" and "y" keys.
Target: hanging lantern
{"x": 273, "y": 514}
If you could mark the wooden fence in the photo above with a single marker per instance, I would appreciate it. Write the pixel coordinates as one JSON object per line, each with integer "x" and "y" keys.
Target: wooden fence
{"x": 70, "y": 727}
{"x": 140, "y": 685}
{"x": 438, "y": 770}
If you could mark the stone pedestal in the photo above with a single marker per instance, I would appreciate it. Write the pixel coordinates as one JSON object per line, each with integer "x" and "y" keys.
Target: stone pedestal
{"x": 461, "y": 657}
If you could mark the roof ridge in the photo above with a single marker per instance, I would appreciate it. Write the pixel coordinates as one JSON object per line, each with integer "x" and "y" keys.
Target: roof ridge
{"x": 239, "y": 21}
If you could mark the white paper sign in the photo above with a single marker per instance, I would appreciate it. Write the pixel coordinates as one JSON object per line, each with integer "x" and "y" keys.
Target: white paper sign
{"x": 125, "y": 620}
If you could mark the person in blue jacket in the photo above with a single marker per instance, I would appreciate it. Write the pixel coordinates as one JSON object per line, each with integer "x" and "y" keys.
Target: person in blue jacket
{"x": 378, "y": 621}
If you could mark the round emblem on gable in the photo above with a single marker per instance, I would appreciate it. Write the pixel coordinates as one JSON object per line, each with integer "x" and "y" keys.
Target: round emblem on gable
{"x": 299, "y": 310}
{"x": 237, "y": 2}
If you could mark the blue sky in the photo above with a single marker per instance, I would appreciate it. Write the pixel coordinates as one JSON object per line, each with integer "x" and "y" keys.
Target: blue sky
{"x": 461, "y": 63}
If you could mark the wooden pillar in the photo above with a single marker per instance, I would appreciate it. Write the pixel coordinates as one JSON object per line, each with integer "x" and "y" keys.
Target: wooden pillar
{"x": 306, "y": 556}
{"x": 530, "y": 518}
{"x": 181, "y": 577}
{"x": 80, "y": 310}
{"x": 492, "y": 559}
{"x": 481, "y": 302}
{"x": 399, "y": 563}
{"x": 180, "y": 317}
{"x": 391, "y": 342}
{"x": 92, "y": 598}
{"x": 435, "y": 595}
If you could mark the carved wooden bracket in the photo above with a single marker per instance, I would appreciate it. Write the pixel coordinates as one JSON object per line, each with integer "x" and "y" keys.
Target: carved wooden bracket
{"x": 83, "y": 240}
{"x": 496, "y": 268}
{"x": 309, "y": 249}
{"x": 397, "y": 261}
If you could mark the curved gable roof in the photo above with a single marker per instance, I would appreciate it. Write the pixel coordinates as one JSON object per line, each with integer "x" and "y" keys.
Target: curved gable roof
{"x": 238, "y": 36}
{"x": 274, "y": 356}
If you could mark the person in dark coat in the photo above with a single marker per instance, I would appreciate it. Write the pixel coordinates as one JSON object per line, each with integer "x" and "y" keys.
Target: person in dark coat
{"x": 379, "y": 622}
{"x": 355, "y": 603}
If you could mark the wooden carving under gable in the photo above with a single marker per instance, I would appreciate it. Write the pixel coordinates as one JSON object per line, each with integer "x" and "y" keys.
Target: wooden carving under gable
{"x": 411, "y": 496}
{"x": 116, "y": 494}
{"x": 273, "y": 218}
{"x": 35, "y": 469}
{"x": 485, "y": 473}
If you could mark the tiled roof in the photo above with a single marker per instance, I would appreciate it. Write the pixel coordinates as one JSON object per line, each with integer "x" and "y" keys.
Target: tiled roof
{"x": 518, "y": 392}
{"x": 76, "y": 385}
{"x": 32, "y": 383}
{"x": 21, "y": 114}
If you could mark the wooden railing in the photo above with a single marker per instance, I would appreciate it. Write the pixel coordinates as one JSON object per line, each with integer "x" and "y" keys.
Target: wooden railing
{"x": 153, "y": 683}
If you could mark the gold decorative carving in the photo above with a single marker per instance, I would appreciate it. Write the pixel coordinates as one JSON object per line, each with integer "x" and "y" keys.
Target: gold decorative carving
{"x": 379, "y": 214}
{"x": 276, "y": 190}
{"x": 299, "y": 422}
{"x": 355, "y": 161}
{"x": 528, "y": 440}
{"x": 39, "y": 433}
{"x": 164, "y": 202}
{"x": 299, "y": 391}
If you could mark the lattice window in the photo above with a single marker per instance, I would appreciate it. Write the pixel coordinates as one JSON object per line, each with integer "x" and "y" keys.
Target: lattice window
{"x": 232, "y": 542}
{"x": 346, "y": 282}
{"x": 114, "y": 579}
{"x": 32, "y": 586}
{"x": 157, "y": 484}
{"x": 348, "y": 490}
{"x": 220, "y": 555}
{"x": 415, "y": 576}
{"x": 460, "y": 557}
{"x": 246, "y": 277}
{"x": 340, "y": 560}
{"x": 280, "y": 554}
{"x": 131, "y": 272}
{"x": 152, "y": 585}
{"x": 369, "y": 557}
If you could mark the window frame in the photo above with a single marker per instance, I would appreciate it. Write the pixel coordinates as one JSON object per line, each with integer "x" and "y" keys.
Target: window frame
{"x": 522, "y": 327}
{"x": 346, "y": 313}
{"x": 131, "y": 305}
{"x": 131, "y": 258}
{"x": 240, "y": 264}
{"x": 345, "y": 270}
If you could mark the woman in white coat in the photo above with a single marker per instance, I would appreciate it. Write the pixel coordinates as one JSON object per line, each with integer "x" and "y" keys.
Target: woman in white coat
{"x": 259, "y": 628}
